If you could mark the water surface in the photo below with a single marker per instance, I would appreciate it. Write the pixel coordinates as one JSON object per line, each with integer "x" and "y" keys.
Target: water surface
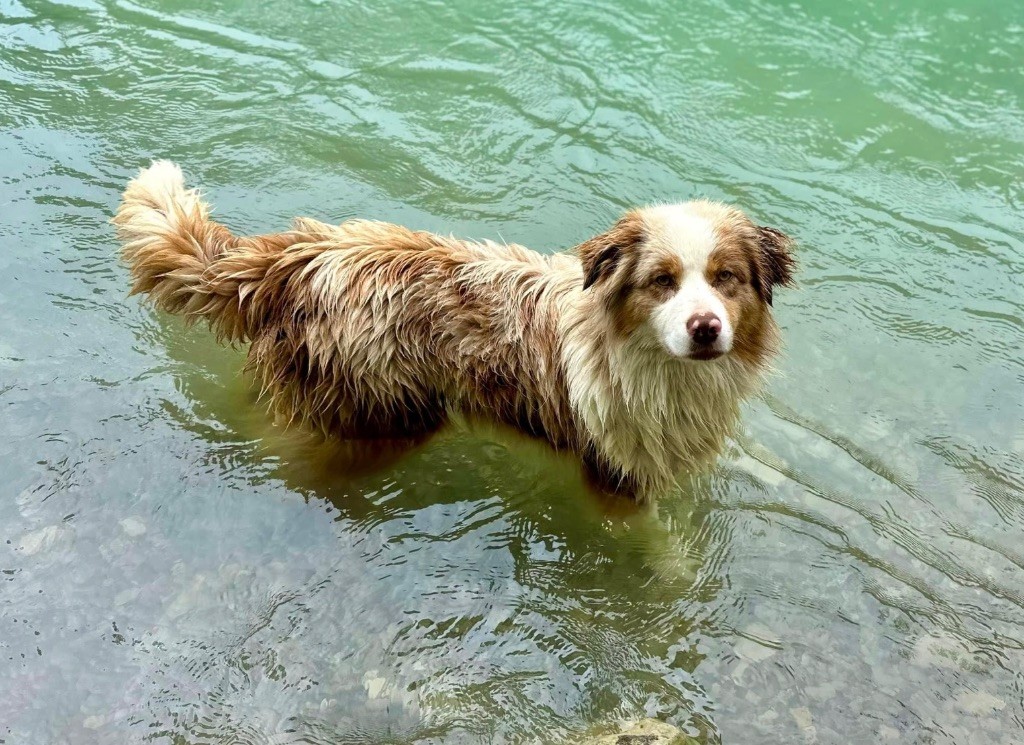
{"x": 174, "y": 568}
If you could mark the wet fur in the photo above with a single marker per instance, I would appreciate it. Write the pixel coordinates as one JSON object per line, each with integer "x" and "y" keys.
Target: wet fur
{"x": 368, "y": 329}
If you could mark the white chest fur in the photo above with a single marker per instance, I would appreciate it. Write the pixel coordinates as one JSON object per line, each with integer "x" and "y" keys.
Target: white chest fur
{"x": 652, "y": 416}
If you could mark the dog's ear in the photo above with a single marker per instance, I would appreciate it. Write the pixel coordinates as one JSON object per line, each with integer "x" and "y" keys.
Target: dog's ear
{"x": 601, "y": 254}
{"x": 775, "y": 260}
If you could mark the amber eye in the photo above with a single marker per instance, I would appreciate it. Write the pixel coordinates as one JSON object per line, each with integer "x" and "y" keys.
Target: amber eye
{"x": 664, "y": 280}
{"x": 725, "y": 275}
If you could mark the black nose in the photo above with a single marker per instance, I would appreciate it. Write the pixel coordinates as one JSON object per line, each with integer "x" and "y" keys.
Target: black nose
{"x": 704, "y": 327}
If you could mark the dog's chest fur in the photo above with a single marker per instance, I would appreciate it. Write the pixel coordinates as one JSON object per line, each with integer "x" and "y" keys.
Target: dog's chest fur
{"x": 649, "y": 416}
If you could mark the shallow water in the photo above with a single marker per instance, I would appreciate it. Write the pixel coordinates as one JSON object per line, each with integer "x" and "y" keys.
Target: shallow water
{"x": 176, "y": 569}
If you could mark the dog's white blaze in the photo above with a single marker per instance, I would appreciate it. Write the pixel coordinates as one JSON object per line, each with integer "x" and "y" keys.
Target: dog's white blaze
{"x": 691, "y": 237}
{"x": 694, "y": 296}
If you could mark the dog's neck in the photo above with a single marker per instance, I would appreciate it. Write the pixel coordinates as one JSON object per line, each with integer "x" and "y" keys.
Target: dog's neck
{"x": 649, "y": 415}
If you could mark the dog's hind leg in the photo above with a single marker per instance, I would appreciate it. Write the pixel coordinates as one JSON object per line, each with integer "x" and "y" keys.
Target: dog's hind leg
{"x": 402, "y": 419}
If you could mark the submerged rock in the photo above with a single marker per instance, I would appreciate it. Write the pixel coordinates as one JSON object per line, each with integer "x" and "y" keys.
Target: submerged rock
{"x": 980, "y": 703}
{"x": 644, "y": 732}
{"x": 133, "y": 526}
{"x": 42, "y": 539}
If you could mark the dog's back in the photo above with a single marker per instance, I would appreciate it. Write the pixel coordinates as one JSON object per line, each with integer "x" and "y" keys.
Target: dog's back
{"x": 364, "y": 328}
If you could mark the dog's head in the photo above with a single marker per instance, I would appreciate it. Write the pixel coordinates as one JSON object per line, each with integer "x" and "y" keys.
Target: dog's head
{"x": 693, "y": 279}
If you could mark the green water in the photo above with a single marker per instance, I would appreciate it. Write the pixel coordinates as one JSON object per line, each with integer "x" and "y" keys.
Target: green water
{"x": 174, "y": 569}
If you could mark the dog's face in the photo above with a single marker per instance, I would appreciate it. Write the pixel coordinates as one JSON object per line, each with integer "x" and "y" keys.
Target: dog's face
{"x": 693, "y": 279}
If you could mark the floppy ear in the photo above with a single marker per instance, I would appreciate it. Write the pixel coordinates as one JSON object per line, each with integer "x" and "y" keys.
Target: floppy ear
{"x": 601, "y": 254}
{"x": 776, "y": 260}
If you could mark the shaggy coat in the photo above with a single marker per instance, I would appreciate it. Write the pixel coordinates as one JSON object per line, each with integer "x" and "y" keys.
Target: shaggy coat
{"x": 368, "y": 329}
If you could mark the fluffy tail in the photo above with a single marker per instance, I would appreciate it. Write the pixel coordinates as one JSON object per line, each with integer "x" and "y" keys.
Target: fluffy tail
{"x": 184, "y": 261}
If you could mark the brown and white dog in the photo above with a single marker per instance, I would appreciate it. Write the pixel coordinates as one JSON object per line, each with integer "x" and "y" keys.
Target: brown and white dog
{"x": 634, "y": 351}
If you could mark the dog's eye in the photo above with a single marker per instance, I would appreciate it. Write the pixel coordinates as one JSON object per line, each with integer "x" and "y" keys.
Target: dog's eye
{"x": 664, "y": 280}
{"x": 725, "y": 275}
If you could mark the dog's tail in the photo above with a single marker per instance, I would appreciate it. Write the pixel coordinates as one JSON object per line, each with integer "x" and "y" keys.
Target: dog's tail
{"x": 187, "y": 263}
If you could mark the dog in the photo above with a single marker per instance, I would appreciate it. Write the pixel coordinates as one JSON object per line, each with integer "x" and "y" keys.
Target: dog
{"x": 632, "y": 351}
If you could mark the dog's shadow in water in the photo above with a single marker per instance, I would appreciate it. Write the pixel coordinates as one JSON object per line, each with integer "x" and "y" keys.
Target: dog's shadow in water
{"x": 370, "y": 480}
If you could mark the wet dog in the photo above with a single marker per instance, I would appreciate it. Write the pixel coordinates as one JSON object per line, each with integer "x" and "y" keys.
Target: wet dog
{"x": 634, "y": 350}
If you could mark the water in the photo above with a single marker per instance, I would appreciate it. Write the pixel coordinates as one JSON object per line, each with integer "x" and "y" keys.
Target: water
{"x": 176, "y": 569}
